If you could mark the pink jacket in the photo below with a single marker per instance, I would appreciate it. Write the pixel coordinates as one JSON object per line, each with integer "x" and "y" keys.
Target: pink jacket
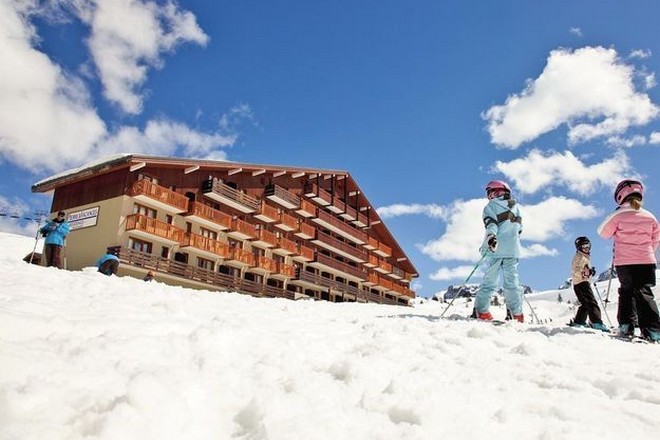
{"x": 636, "y": 235}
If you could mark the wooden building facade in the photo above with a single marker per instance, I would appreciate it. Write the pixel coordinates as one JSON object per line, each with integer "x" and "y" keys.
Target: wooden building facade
{"x": 256, "y": 229}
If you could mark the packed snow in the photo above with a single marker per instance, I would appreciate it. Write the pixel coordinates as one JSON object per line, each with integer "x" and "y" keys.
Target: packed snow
{"x": 85, "y": 356}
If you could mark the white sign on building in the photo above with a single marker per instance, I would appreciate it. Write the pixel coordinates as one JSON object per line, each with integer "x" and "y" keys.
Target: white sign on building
{"x": 84, "y": 219}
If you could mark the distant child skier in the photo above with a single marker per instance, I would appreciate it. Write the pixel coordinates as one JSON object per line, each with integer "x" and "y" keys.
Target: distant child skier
{"x": 582, "y": 271}
{"x": 501, "y": 247}
{"x": 109, "y": 263}
{"x": 636, "y": 236}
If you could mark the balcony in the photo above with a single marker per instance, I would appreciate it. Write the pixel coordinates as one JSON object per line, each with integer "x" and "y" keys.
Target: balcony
{"x": 281, "y": 196}
{"x": 397, "y": 273}
{"x": 264, "y": 238}
{"x": 383, "y": 267}
{"x": 304, "y": 253}
{"x": 212, "y": 248}
{"x": 339, "y": 247}
{"x": 284, "y": 271}
{"x": 267, "y": 213}
{"x": 372, "y": 262}
{"x": 313, "y": 280}
{"x": 361, "y": 221}
{"x": 305, "y": 231}
{"x": 319, "y": 195}
{"x": 383, "y": 250}
{"x": 164, "y": 198}
{"x": 286, "y": 246}
{"x": 287, "y": 222}
{"x": 149, "y": 228}
{"x": 371, "y": 243}
{"x": 349, "y": 213}
{"x": 307, "y": 209}
{"x": 263, "y": 264}
{"x": 240, "y": 257}
{"x": 337, "y": 206}
{"x": 340, "y": 227}
{"x": 336, "y": 267}
{"x": 242, "y": 230}
{"x": 209, "y": 217}
{"x": 225, "y": 194}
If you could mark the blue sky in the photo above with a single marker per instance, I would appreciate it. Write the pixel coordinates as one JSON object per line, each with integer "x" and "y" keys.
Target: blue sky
{"x": 423, "y": 102}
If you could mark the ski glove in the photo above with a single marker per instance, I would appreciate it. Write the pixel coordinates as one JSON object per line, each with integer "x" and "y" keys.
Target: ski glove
{"x": 492, "y": 243}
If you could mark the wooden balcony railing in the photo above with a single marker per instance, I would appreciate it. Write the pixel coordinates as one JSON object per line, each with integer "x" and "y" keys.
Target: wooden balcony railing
{"x": 282, "y": 196}
{"x": 361, "y": 220}
{"x": 327, "y": 282}
{"x": 349, "y": 212}
{"x": 385, "y": 266}
{"x": 159, "y": 193}
{"x": 221, "y": 219}
{"x": 238, "y": 254}
{"x": 243, "y": 227}
{"x": 266, "y": 236}
{"x": 288, "y": 245}
{"x": 224, "y": 193}
{"x": 305, "y": 252}
{"x": 207, "y": 244}
{"x": 371, "y": 243}
{"x": 340, "y": 266}
{"x": 155, "y": 227}
{"x": 307, "y": 209}
{"x": 341, "y": 246}
{"x": 383, "y": 250}
{"x": 287, "y": 222}
{"x": 372, "y": 262}
{"x": 319, "y": 195}
{"x": 397, "y": 272}
{"x": 340, "y": 227}
{"x": 265, "y": 263}
{"x": 267, "y": 213}
{"x": 305, "y": 231}
{"x": 288, "y": 270}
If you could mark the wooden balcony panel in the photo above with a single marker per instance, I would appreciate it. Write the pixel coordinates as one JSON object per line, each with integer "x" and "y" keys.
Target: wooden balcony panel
{"x": 343, "y": 269}
{"x": 307, "y": 209}
{"x": 319, "y": 195}
{"x": 160, "y": 196}
{"x": 287, "y": 222}
{"x": 215, "y": 247}
{"x": 336, "y": 205}
{"x": 305, "y": 231}
{"x": 349, "y": 213}
{"x": 384, "y": 267}
{"x": 208, "y": 216}
{"x": 383, "y": 250}
{"x": 371, "y": 243}
{"x": 225, "y": 194}
{"x": 242, "y": 230}
{"x": 282, "y": 196}
{"x": 265, "y": 238}
{"x": 340, "y": 227}
{"x": 265, "y": 264}
{"x": 304, "y": 253}
{"x": 267, "y": 213}
{"x": 372, "y": 279}
{"x": 287, "y": 270}
{"x": 286, "y": 246}
{"x": 339, "y": 247}
{"x": 153, "y": 227}
{"x": 361, "y": 221}
{"x": 241, "y": 257}
{"x": 397, "y": 273}
{"x": 372, "y": 261}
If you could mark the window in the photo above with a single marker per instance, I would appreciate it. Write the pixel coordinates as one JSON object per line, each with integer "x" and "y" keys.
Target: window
{"x": 139, "y": 245}
{"x": 208, "y": 233}
{"x": 165, "y": 252}
{"x": 188, "y": 227}
{"x": 169, "y": 219}
{"x": 234, "y": 243}
{"x": 145, "y": 211}
{"x": 204, "y": 263}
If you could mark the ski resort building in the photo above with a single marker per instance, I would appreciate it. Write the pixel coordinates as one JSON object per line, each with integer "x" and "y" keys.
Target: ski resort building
{"x": 262, "y": 230}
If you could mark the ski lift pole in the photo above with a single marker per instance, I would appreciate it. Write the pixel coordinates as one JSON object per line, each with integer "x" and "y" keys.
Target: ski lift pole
{"x": 603, "y": 304}
{"x": 464, "y": 282}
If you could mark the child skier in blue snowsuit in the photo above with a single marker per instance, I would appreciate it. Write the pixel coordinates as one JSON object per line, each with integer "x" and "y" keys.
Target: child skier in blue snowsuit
{"x": 501, "y": 249}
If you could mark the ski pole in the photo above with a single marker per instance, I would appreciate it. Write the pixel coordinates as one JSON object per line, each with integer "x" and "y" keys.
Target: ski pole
{"x": 36, "y": 240}
{"x": 609, "y": 284}
{"x": 534, "y": 315}
{"x": 603, "y": 304}
{"x": 464, "y": 282}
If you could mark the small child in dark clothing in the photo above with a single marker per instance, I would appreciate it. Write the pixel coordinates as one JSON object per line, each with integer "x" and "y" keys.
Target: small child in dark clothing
{"x": 582, "y": 271}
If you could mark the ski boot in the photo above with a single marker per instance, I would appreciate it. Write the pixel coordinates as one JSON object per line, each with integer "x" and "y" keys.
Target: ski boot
{"x": 626, "y": 331}
{"x": 519, "y": 318}
{"x": 600, "y": 326}
{"x": 486, "y": 316}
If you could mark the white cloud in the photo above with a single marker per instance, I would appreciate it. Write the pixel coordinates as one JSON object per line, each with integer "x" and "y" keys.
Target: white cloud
{"x": 130, "y": 36}
{"x": 589, "y": 89}
{"x": 654, "y": 138}
{"x": 575, "y": 31}
{"x": 446, "y": 273}
{"x": 47, "y": 121}
{"x": 399, "y": 209}
{"x": 649, "y": 81}
{"x": 622, "y": 142}
{"x": 542, "y": 222}
{"x": 640, "y": 54}
{"x": 537, "y": 171}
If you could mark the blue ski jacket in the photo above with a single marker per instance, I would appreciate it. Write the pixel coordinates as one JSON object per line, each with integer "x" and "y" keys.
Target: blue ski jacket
{"x": 502, "y": 219}
{"x": 105, "y": 258}
{"x": 55, "y": 232}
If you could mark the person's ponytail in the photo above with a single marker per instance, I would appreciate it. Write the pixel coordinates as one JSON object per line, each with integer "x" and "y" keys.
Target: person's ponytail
{"x": 635, "y": 202}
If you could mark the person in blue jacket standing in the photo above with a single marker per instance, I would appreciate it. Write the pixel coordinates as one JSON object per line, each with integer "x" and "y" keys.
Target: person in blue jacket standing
{"x": 109, "y": 263}
{"x": 55, "y": 232}
{"x": 501, "y": 251}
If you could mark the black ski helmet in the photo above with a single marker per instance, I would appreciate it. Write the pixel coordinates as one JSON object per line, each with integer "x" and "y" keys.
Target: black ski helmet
{"x": 581, "y": 241}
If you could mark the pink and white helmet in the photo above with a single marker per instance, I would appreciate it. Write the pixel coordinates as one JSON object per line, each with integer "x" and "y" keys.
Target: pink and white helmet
{"x": 627, "y": 187}
{"x": 496, "y": 188}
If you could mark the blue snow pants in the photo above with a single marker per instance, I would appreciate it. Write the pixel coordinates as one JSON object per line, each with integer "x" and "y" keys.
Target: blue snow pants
{"x": 510, "y": 283}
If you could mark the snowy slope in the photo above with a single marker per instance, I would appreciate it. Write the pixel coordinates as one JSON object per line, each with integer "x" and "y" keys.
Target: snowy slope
{"x": 84, "y": 356}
